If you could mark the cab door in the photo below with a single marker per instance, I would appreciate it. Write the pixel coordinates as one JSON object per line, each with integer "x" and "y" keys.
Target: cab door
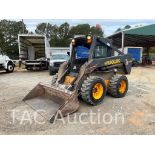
{"x": 2, "y": 58}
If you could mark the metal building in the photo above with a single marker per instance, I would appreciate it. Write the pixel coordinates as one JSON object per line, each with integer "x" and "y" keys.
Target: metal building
{"x": 143, "y": 37}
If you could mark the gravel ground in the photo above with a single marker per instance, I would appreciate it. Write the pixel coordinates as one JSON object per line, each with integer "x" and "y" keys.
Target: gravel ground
{"x": 133, "y": 114}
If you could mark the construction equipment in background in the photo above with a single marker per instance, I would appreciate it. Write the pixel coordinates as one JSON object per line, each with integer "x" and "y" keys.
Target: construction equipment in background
{"x": 90, "y": 73}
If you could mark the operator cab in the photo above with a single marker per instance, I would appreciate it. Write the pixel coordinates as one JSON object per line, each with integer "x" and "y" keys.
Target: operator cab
{"x": 80, "y": 51}
{"x": 84, "y": 48}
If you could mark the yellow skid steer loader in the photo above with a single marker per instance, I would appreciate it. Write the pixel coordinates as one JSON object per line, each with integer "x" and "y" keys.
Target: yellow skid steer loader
{"x": 92, "y": 71}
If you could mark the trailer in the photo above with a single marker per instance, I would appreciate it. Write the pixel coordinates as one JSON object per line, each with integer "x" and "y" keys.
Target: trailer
{"x": 135, "y": 52}
{"x": 33, "y": 51}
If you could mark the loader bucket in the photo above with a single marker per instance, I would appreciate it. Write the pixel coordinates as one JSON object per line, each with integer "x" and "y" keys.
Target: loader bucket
{"x": 51, "y": 102}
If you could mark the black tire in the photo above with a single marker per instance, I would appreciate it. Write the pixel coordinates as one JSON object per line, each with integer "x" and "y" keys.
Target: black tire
{"x": 10, "y": 67}
{"x": 47, "y": 65}
{"x": 51, "y": 71}
{"x": 87, "y": 89}
{"x": 115, "y": 86}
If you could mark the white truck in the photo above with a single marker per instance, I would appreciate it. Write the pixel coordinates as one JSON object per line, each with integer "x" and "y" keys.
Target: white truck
{"x": 56, "y": 60}
{"x": 58, "y": 55}
{"x": 6, "y": 63}
{"x": 33, "y": 51}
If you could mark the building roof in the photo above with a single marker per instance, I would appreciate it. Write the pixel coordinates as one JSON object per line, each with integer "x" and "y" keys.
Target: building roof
{"x": 143, "y": 36}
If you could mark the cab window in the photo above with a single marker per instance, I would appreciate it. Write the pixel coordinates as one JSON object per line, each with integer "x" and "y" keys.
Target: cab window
{"x": 102, "y": 51}
{"x": 82, "y": 52}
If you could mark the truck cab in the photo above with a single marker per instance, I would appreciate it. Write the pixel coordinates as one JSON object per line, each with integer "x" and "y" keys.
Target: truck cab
{"x": 6, "y": 63}
{"x": 56, "y": 60}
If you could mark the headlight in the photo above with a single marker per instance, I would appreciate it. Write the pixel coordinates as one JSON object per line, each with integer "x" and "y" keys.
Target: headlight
{"x": 73, "y": 41}
{"x": 89, "y": 39}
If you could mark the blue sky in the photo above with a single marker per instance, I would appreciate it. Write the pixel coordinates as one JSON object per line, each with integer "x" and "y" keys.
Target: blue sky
{"x": 108, "y": 25}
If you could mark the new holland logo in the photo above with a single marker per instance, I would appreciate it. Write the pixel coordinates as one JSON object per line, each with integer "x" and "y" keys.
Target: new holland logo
{"x": 112, "y": 62}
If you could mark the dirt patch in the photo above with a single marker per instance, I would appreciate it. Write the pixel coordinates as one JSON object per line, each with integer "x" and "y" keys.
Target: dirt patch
{"x": 136, "y": 118}
{"x": 133, "y": 114}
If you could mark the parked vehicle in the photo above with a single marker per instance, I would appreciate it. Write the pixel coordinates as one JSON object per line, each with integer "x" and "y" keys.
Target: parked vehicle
{"x": 135, "y": 52}
{"x": 33, "y": 51}
{"x": 6, "y": 63}
{"x": 38, "y": 64}
{"x": 56, "y": 60}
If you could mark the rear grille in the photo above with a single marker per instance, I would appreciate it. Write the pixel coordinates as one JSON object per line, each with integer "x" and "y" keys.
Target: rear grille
{"x": 57, "y": 64}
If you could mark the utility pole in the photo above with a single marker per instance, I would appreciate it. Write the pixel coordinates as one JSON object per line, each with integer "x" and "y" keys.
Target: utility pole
{"x": 46, "y": 31}
{"x": 22, "y": 26}
{"x": 123, "y": 37}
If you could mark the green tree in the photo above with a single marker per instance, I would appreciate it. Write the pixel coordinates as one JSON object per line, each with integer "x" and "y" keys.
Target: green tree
{"x": 86, "y": 29}
{"x": 63, "y": 38}
{"x": 96, "y": 31}
{"x": 51, "y": 32}
{"x": 64, "y": 30}
{"x": 60, "y": 36}
{"x": 9, "y": 31}
{"x": 45, "y": 29}
{"x": 82, "y": 29}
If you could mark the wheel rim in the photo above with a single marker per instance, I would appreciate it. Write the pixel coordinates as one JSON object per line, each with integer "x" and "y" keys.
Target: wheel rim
{"x": 10, "y": 68}
{"x": 98, "y": 91}
{"x": 122, "y": 87}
